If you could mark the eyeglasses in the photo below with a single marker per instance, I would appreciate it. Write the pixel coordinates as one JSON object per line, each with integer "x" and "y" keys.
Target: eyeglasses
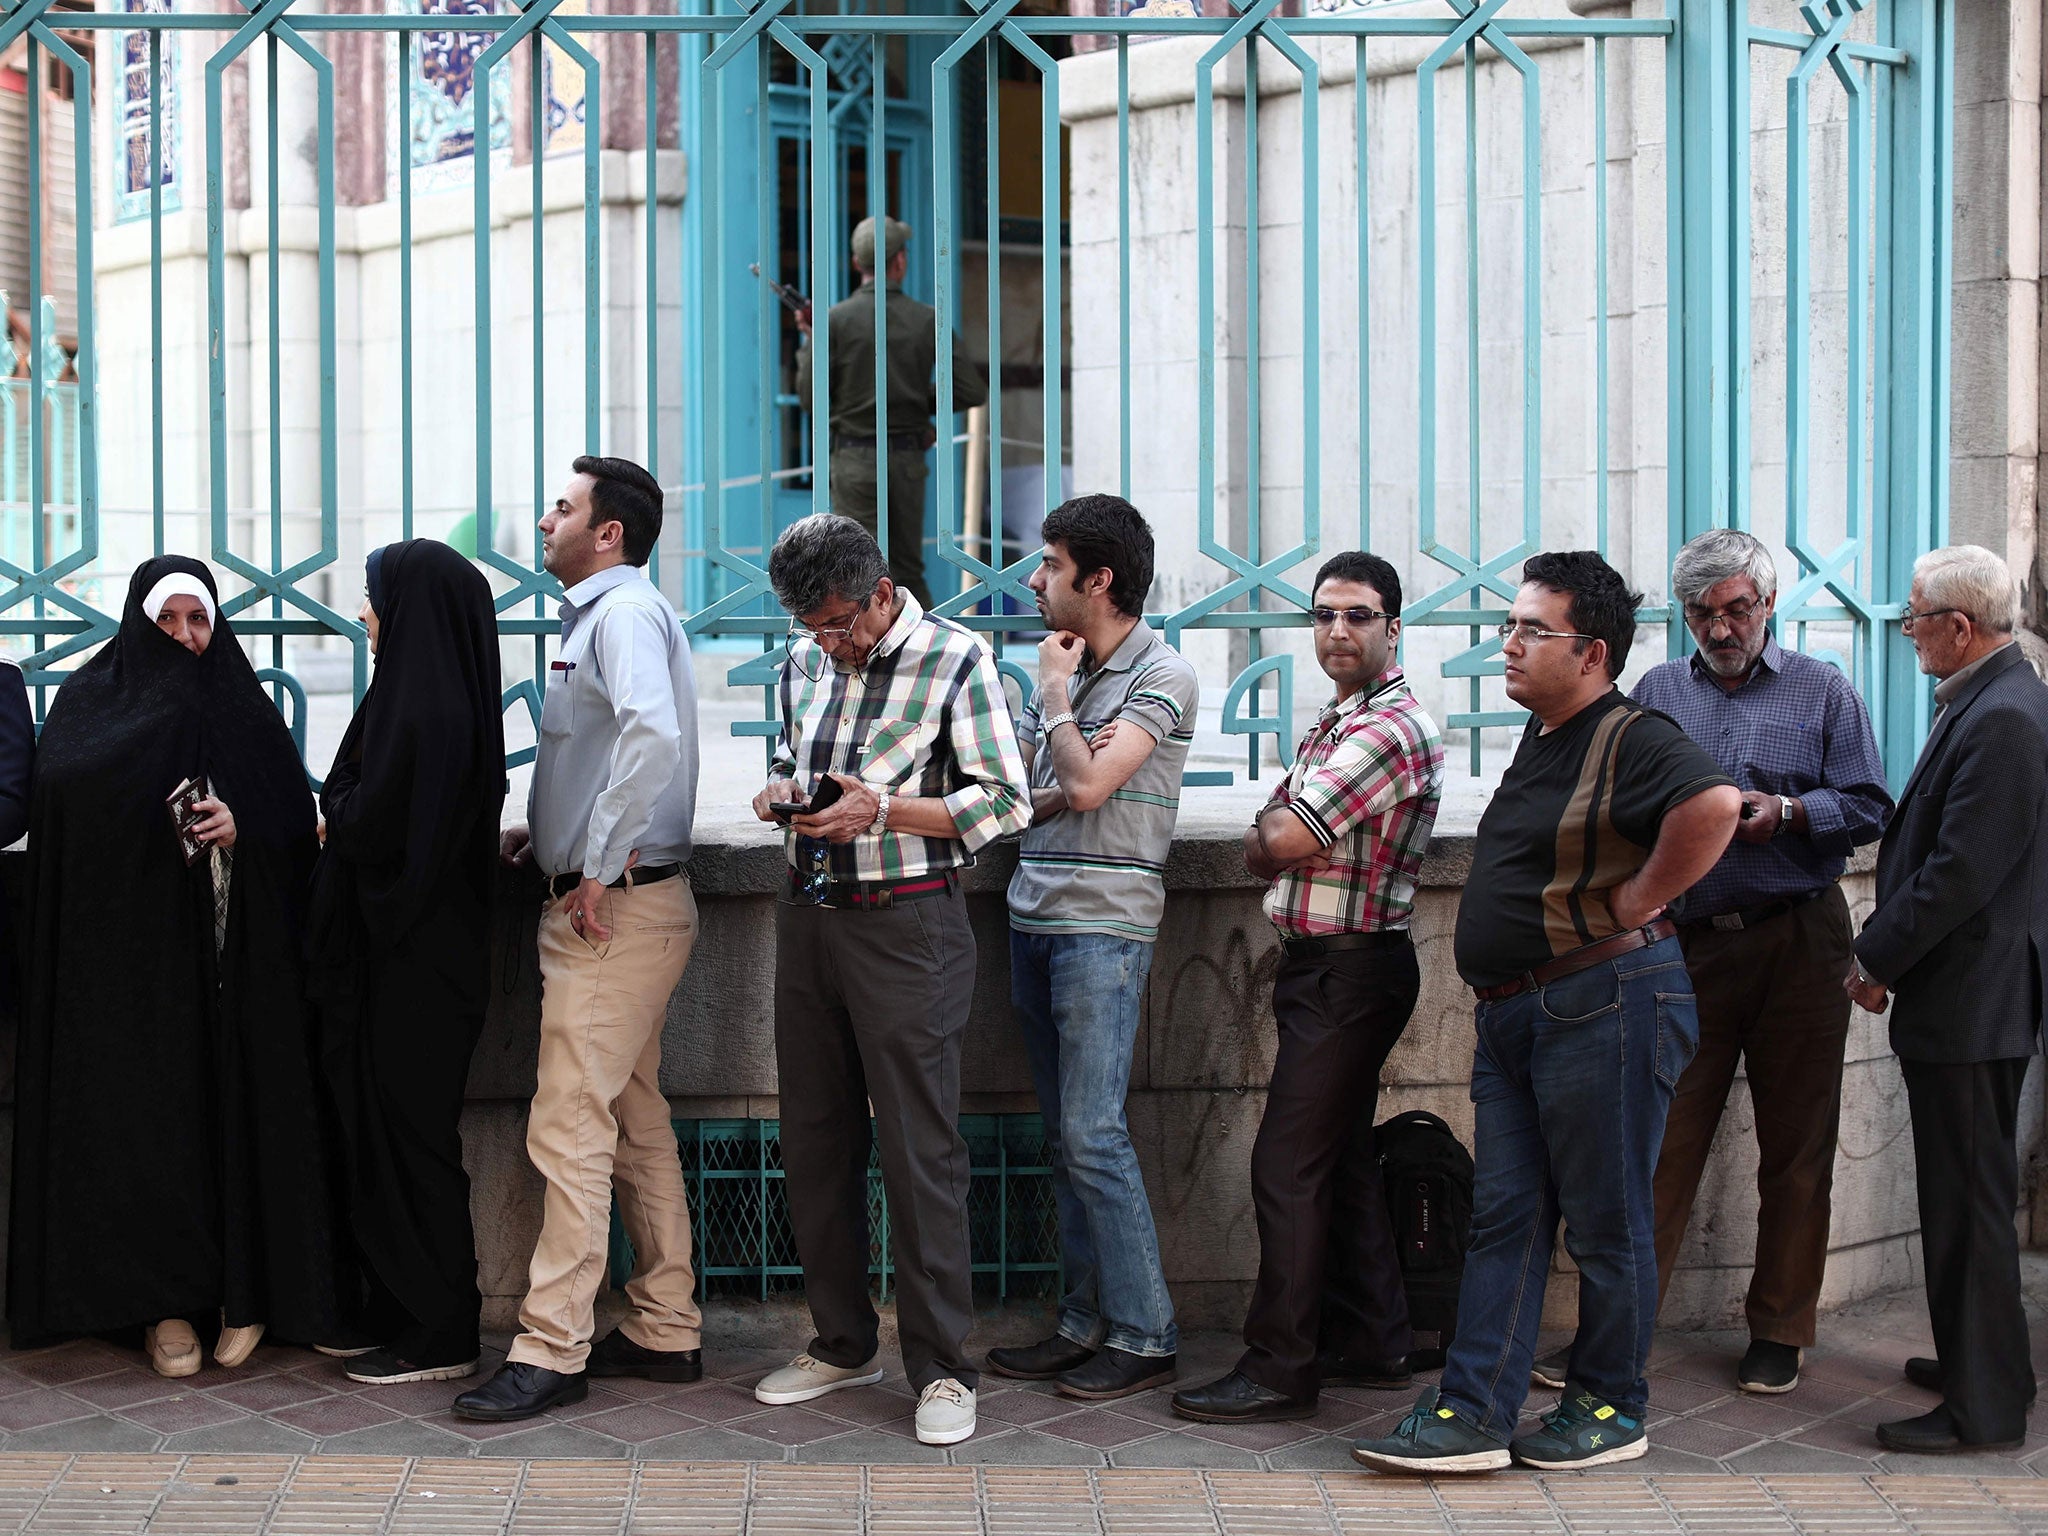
{"x": 818, "y": 885}
{"x": 1734, "y": 615}
{"x": 1528, "y": 634}
{"x": 807, "y": 646}
{"x": 1909, "y": 618}
{"x": 1354, "y": 618}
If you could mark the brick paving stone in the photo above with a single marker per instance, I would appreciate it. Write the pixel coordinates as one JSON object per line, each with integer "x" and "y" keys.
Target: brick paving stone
{"x": 789, "y": 1426}
{"x": 1269, "y": 1436}
{"x": 1098, "y": 1427}
{"x": 39, "y": 1406}
{"x": 866, "y": 1446}
{"x": 1765, "y": 1415}
{"x": 262, "y": 1394}
{"x": 713, "y": 1443}
{"x": 1025, "y": 1448}
{"x": 1026, "y": 1405}
{"x": 870, "y": 1406}
{"x": 637, "y": 1422}
{"x": 721, "y": 1403}
{"x": 242, "y": 1434}
{"x": 188, "y": 1410}
{"x": 333, "y": 1415}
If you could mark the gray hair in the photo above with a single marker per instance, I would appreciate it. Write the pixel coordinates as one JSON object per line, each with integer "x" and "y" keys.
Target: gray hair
{"x": 1721, "y": 555}
{"x": 1970, "y": 578}
{"x": 823, "y": 557}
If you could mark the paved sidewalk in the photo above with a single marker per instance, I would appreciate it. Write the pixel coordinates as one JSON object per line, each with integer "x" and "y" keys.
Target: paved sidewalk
{"x": 89, "y": 1396}
{"x": 273, "y": 1496}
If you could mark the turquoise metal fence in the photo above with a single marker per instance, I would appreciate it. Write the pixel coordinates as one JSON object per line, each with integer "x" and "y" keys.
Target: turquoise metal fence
{"x": 739, "y": 1217}
{"x": 869, "y": 111}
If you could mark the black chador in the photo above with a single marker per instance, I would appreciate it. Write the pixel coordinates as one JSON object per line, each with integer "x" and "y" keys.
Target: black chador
{"x": 400, "y": 939}
{"x": 169, "y": 1153}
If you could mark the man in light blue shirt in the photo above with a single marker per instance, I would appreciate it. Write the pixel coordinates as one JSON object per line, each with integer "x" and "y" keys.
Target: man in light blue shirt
{"x": 614, "y": 793}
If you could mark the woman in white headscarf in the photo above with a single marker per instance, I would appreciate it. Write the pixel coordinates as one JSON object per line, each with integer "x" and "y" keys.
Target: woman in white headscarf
{"x": 173, "y": 1167}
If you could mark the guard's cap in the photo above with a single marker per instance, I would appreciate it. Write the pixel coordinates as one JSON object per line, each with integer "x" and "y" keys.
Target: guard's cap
{"x": 897, "y": 237}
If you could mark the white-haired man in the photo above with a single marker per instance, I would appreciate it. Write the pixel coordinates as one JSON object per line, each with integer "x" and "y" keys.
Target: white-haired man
{"x": 1956, "y": 947}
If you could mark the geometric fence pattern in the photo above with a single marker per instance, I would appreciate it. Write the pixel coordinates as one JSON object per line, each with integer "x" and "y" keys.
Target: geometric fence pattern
{"x": 1885, "y": 65}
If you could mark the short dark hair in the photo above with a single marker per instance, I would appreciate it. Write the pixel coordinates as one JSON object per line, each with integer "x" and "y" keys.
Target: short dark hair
{"x": 1602, "y": 605}
{"x": 1357, "y": 565}
{"x": 625, "y": 494}
{"x": 1106, "y": 533}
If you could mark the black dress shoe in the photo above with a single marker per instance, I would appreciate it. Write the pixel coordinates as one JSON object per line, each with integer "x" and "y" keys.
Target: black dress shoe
{"x": 521, "y": 1391}
{"x": 1933, "y": 1434}
{"x": 1237, "y": 1399}
{"x": 617, "y": 1355}
{"x": 1116, "y": 1373}
{"x": 1041, "y": 1361}
{"x": 1385, "y": 1375}
{"x": 1926, "y": 1373}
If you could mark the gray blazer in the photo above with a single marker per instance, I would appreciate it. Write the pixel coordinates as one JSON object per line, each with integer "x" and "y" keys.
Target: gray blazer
{"x": 1961, "y": 927}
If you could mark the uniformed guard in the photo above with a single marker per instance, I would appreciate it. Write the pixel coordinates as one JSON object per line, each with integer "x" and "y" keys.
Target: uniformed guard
{"x": 913, "y": 399}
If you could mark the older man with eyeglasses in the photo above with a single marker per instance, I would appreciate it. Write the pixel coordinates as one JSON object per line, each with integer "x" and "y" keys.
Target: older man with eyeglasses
{"x": 1956, "y": 948}
{"x": 1766, "y": 933}
{"x": 897, "y": 760}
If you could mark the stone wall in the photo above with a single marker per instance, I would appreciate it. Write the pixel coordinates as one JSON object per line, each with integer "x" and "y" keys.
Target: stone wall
{"x": 1205, "y": 1049}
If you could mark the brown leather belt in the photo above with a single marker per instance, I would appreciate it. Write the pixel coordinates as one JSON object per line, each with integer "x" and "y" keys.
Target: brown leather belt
{"x": 1583, "y": 958}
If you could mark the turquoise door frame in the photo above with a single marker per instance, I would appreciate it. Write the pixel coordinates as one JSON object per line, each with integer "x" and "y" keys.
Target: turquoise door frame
{"x": 752, "y": 409}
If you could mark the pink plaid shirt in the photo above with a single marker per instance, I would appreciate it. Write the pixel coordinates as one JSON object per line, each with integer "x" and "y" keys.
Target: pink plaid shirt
{"x": 1366, "y": 780}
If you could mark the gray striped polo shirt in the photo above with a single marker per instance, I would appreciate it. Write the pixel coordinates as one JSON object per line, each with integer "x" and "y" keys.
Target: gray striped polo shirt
{"x": 1103, "y": 871}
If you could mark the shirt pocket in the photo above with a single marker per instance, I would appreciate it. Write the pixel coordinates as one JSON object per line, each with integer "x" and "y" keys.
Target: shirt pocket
{"x": 558, "y": 707}
{"x": 895, "y": 750}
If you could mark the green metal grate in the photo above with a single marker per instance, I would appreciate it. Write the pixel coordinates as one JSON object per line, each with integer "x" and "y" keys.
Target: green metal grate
{"x": 739, "y": 1217}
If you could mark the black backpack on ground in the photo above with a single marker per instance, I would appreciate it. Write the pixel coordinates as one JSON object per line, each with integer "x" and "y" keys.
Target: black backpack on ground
{"x": 1428, "y": 1176}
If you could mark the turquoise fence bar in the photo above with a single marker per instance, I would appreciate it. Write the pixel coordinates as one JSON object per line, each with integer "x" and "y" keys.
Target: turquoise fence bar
{"x": 874, "y": 102}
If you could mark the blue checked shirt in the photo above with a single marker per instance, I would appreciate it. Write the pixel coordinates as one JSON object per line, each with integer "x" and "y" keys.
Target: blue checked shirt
{"x": 1795, "y": 727}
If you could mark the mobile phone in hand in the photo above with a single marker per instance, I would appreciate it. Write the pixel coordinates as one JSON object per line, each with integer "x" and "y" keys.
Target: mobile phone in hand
{"x": 826, "y": 794}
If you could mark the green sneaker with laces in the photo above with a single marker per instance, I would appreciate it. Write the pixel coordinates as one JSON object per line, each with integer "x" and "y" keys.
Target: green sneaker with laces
{"x": 1581, "y": 1431}
{"x": 1431, "y": 1439}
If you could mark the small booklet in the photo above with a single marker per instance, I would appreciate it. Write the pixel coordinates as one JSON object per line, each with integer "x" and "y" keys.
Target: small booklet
{"x": 183, "y": 804}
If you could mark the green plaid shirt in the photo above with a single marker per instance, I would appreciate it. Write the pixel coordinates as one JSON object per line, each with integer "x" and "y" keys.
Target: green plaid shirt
{"x": 926, "y": 716}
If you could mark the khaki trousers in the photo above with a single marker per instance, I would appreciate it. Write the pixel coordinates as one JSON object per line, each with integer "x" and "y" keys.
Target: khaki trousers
{"x": 599, "y": 1120}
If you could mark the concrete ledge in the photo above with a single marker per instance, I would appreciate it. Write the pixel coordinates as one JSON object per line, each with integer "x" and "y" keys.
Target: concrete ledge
{"x": 1203, "y": 1058}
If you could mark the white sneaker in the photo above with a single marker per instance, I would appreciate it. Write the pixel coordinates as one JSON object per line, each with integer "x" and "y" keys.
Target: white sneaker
{"x": 945, "y": 1412}
{"x": 805, "y": 1378}
{"x": 173, "y": 1348}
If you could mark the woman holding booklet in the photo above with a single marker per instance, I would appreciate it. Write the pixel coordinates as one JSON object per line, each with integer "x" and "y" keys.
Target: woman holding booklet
{"x": 173, "y": 1167}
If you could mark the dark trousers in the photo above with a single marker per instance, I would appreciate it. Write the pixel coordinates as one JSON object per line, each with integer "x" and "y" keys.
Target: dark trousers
{"x": 871, "y": 1007}
{"x": 1771, "y": 998}
{"x": 1329, "y": 1278}
{"x": 1964, "y": 1118}
{"x": 853, "y": 487}
{"x": 1570, "y": 1086}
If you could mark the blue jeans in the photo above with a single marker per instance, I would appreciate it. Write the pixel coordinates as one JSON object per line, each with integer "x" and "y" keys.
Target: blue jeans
{"x": 1077, "y": 996}
{"x": 1570, "y": 1086}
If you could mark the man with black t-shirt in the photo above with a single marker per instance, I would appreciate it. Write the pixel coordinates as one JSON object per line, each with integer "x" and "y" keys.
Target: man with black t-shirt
{"x": 1585, "y": 1021}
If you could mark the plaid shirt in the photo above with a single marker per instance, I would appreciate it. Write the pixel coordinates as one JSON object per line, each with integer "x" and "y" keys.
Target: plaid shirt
{"x": 930, "y": 719}
{"x": 1366, "y": 780}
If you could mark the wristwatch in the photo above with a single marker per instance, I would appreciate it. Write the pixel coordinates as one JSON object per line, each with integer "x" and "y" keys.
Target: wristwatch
{"x": 1784, "y": 816}
{"x": 881, "y": 821}
{"x": 1054, "y": 722}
